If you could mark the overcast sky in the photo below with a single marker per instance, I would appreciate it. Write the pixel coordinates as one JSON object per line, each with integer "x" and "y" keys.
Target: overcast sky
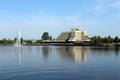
{"x": 33, "y": 17}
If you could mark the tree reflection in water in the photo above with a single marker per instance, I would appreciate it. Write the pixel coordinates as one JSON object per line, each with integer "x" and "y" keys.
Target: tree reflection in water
{"x": 107, "y": 51}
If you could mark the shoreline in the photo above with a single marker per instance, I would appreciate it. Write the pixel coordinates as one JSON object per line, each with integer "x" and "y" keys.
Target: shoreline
{"x": 68, "y": 44}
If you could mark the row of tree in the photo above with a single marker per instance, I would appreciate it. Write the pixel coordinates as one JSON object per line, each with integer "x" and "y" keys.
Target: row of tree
{"x": 109, "y": 39}
{"x": 47, "y": 37}
{"x": 6, "y": 41}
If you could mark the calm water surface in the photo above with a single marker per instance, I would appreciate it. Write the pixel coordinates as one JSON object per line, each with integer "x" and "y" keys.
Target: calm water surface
{"x": 59, "y": 63}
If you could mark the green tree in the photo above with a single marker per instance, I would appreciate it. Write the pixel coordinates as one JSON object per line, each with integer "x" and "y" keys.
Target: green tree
{"x": 22, "y": 40}
{"x": 116, "y": 39}
{"x": 28, "y": 41}
{"x": 4, "y": 41}
{"x": 50, "y": 37}
{"x": 99, "y": 39}
{"x": 94, "y": 39}
{"x": 106, "y": 40}
{"x": 15, "y": 39}
{"x": 45, "y": 36}
{"x": 109, "y": 39}
{"x": 38, "y": 41}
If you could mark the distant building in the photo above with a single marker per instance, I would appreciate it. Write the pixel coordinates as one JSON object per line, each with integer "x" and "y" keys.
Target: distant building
{"x": 74, "y": 35}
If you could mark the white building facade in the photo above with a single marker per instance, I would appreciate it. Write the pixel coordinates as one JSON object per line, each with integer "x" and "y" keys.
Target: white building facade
{"x": 74, "y": 35}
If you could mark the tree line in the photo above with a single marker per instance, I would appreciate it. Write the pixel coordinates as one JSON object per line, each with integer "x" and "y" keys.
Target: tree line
{"x": 6, "y": 41}
{"x": 109, "y": 39}
{"x": 47, "y": 37}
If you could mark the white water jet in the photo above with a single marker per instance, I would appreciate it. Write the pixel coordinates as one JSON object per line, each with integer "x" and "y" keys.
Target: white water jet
{"x": 18, "y": 40}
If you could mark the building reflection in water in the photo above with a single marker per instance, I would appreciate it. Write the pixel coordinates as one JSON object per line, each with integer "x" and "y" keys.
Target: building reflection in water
{"x": 75, "y": 54}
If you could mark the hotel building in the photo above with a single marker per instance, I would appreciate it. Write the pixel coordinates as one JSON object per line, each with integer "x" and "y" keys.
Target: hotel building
{"x": 75, "y": 35}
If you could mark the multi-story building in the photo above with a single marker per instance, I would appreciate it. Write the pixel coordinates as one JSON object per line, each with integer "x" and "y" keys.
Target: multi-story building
{"x": 73, "y": 35}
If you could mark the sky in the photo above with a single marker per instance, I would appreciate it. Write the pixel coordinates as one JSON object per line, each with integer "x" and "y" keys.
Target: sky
{"x": 33, "y": 17}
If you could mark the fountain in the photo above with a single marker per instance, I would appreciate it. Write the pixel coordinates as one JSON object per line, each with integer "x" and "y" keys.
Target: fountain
{"x": 18, "y": 40}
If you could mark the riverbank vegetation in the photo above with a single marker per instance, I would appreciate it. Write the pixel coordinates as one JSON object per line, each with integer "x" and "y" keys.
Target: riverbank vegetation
{"x": 46, "y": 38}
{"x": 109, "y": 39}
{"x": 7, "y": 41}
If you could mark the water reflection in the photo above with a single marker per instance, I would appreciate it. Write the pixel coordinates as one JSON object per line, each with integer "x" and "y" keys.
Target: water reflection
{"x": 75, "y": 54}
{"x": 70, "y": 53}
{"x": 105, "y": 50}
{"x": 46, "y": 52}
{"x": 117, "y": 51}
{"x": 58, "y": 65}
{"x": 18, "y": 51}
